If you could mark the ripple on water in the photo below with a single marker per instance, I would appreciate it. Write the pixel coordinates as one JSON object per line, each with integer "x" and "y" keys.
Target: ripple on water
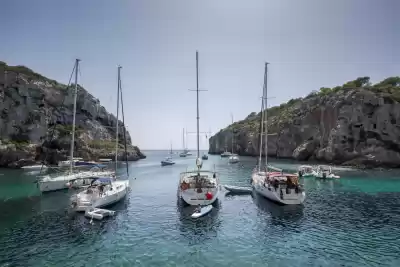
{"x": 339, "y": 225}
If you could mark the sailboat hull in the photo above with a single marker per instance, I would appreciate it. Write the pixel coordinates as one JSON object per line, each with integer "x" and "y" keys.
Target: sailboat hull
{"x": 278, "y": 195}
{"x": 47, "y": 184}
{"x": 120, "y": 190}
{"x": 192, "y": 198}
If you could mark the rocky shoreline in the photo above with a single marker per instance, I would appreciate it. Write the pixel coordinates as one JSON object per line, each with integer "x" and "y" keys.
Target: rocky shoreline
{"x": 36, "y": 122}
{"x": 356, "y": 124}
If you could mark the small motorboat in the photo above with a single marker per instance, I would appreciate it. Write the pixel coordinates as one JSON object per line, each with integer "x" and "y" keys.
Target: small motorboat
{"x": 233, "y": 159}
{"x": 167, "y": 161}
{"x": 205, "y": 157}
{"x": 307, "y": 171}
{"x": 238, "y": 189}
{"x": 199, "y": 212}
{"x": 325, "y": 172}
{"x": 226, "y": 154}
{"x": 98, "y": 214}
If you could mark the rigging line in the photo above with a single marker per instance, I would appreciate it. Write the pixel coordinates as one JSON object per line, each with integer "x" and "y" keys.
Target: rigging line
{"x": 55, "y": 124}
{"x": 123, "y": 123}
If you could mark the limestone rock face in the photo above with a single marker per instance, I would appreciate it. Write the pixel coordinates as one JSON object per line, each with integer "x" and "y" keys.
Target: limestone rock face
{"x": 33, "y": 109}
{"x": 358, "y": 126}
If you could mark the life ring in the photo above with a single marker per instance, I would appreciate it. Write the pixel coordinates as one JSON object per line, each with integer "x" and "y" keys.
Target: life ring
{"x": 184, "y": 186}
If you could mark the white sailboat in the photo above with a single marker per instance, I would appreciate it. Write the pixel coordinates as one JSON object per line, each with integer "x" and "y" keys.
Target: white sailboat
{"x": 234, "y": 158}
{"x": 277, "y": 186}
{"x": 198, "y": 187}
{"x": 48, "y": 183}
{"x": 186, "y": 150}
{"x": 168, "y": 160}
{"x": 183, "y": 154}
{"x": 104, "y": 191}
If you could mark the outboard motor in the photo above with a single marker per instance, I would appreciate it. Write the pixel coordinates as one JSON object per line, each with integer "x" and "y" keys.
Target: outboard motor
{"x": 300, "y": 173}
{"x": 324, "y": 175}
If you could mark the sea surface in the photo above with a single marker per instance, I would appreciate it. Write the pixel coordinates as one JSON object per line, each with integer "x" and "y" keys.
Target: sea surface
{"x": 353, "y": 221}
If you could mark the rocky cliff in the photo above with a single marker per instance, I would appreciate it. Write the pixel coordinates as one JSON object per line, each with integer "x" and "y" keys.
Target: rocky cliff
{"x": 36, "y": 121}
{"x": 353, "y": 124}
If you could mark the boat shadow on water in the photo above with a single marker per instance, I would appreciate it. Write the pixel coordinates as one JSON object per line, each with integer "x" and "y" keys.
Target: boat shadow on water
{"x": 280, "y": 214}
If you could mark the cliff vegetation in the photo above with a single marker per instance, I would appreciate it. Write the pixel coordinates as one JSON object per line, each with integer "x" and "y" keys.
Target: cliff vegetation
{"x": 36, "y": 121}
{"x": 357, "y": 123}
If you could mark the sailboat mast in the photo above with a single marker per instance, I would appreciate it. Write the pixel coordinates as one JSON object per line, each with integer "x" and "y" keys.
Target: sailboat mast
{"x": 266, "y": 115}
{"x": 232, "y": 133}
{"x": 116, "y": 131}
{"x": 197, "y": 92}
{"x": 71, "y": 162}
{"x": 261, "y": 132}
{"x": 183, "y": 139}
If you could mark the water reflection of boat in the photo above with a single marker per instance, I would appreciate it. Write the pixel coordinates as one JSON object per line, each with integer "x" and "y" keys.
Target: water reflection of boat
{"x": 279, "y": 214}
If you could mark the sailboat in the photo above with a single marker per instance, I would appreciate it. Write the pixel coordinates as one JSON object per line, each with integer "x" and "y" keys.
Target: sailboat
{"x": 277, "y": 186}
{"x": 48, "y": 183}
{"x": 106, "y": 190}
{"x": 233, "y": 158}
{"x": 168, "y": 160}
{"x": 184, "y": 152}
{"x": 226, "y": 153}
{"x": 198, "y": 187}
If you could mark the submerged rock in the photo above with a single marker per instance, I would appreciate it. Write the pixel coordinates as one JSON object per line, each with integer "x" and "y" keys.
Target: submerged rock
{"x": 349, "y": 125}
{"x": 36, "y": 121}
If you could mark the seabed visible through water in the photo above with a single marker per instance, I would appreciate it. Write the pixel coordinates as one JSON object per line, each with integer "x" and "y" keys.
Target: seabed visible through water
{"x": 353, "y": 221}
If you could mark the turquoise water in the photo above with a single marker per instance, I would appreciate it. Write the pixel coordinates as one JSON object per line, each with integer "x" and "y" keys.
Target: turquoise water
{"x": 354, "y": 221}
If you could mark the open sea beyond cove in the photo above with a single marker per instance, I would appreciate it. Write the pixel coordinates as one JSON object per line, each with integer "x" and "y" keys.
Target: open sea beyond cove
{"x": 352, "y": 221}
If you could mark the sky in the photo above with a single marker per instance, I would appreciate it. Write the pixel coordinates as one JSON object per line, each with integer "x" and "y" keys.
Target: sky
{"x": 308, "y": 43}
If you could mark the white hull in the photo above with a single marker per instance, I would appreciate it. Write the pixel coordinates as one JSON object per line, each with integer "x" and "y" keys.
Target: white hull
{"x": 48, "y": 183}
{"x": 192, "y": 194}
{"x": 238, "y": 189}
{"x": 226, "y": 154}
{"x": 277, "y": 195}
{"x": 109, "y": 197}
{"x": 309, "y": 174}
{"x": 191, "y": 197}
{"x": 233, "y": 159}
{"x": 327, "y": 176}
{"x": 34, "y": 167}
{"x": 307, "y": 171}
{"x": 204, "y": 211}
{"x": 98, "y": 214}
